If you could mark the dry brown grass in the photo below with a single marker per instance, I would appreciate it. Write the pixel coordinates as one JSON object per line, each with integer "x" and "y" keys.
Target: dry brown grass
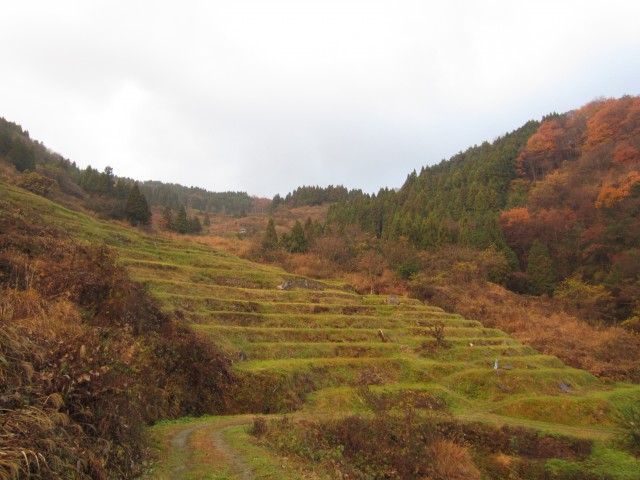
{"x": 231, "y": 245}
{"x": 39, "y": 437}
{"x": 87, "y": 358}
{"x": 452, "y": 461}
{"x": 606, "y": 351}
{"x": 387, "y": 283}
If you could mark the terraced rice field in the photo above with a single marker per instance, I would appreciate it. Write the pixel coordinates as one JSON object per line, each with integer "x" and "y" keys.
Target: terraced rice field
{"x": 334, "y": 337}
{"x": 305, "y": 350}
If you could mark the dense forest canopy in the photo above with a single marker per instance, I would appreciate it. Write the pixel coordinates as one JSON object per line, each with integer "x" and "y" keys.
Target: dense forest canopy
{"x": 314, "y": 195}
{"x": 455, "y": 201}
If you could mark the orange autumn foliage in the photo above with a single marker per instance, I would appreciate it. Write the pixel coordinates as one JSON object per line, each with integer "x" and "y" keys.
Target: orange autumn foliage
{"x": 515, "y": 216}
{"x": 544, "y": 140}
{"x": 542, "y": 150}
{"x": 613, "y": 193}
{"x": 625, "y": 154}
{"x": 616, "y": 119}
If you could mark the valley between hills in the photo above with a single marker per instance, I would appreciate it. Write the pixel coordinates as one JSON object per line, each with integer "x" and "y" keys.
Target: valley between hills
{"x": 480, "y": 322}
{"x": 313, "y": 351}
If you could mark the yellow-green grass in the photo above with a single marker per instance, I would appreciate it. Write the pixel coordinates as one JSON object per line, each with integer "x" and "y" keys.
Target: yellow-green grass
{"x": 594, "y": 407}
{"x": 164, "y": 285}
{"x": 349, "y": 398}
{"x": 264, "y": 464}
{"x": 280, "y": 350}
{"x": 485, "y": 384}
{"x": 234, "y": 316}
{"x": 323, "y": 334}
{"x": 481, "y": 352}
{"x": 569, "y": 410}
{"x": 328, "y": 306}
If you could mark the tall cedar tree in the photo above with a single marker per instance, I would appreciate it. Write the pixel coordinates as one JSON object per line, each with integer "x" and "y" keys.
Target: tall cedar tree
{"x": 194, "y": 225}
{"x": 270, "y": 239}
{"x": 137, "y": 209}
{"x": 543, "y": 277}
{"x": 181, "y": 223}
{"x": 167, "y": 216}
{"x": 297, "y": 242}
{"x": 22, "y": 156}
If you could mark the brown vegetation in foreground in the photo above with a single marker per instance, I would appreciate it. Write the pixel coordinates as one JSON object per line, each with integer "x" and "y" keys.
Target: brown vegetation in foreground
{"x": 403, "y": 441}
{"x": 87, "y": 358}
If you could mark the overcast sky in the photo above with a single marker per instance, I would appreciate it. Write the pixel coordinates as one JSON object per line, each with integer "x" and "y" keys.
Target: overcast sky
{"x": 265, "y": 96}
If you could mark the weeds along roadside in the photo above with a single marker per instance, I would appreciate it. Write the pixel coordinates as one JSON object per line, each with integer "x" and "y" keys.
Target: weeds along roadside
{"x": 87, "y": 358}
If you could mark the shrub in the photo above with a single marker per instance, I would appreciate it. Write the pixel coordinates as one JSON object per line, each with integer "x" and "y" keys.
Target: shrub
{"x": 36, "y": 183}
{"x": 589, "y": 302}
{"x": 421, "y": 287}
{"x": 87, "y": 358}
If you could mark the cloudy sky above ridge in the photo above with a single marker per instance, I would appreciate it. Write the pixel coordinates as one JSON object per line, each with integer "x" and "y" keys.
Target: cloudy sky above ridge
{"x": 265, "y": 96}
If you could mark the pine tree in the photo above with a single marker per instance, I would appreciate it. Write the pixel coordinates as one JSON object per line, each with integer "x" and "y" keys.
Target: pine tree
{"x": 543, "y": 277}
{"x": 22, "y": 156}
{"x": 297, "y": 242}
{"x": 270, "y": 239}
{"x": 194, "y": 225}
{"x": 308, "y": 228}
{"x": 6, "y": 143}
{"x": 167, "y": 215}
{"x": 181, "y": 223}
{"x": 136, "y": 209}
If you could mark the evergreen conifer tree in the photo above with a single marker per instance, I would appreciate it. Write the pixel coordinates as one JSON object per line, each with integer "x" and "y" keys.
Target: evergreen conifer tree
{"x": 136, "y": 209}
{"x": 22, "y": 156}
{"x": 543, "y": 277}
{"x": 297, "y": 242}
{"x": 194, "y": 225}
{"x": 6, "y": 143}
{"x": 270, "y": 239}
{"x": 308, "y": 228}
{"x": 181, "y": 223}
{"x": 167, "y": 215}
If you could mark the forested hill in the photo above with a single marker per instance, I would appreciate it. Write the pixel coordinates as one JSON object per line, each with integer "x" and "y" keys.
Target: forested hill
{"x": 314, "y": 195}
{"x": 173, "y": 195}
{"x": 455, "y": 201}
{"x": 104, "y": 192}
{"x": 560, "y": 198}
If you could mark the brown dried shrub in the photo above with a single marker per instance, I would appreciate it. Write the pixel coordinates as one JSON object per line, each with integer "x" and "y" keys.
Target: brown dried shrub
{"x": 87, "y": 358}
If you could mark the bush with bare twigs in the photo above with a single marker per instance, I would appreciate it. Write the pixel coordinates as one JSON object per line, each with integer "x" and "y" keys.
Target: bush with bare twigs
{"x": 87, "y": 358}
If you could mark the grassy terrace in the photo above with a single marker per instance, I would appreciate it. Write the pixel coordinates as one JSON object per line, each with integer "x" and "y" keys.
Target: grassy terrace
{"x": 326, "y": 339}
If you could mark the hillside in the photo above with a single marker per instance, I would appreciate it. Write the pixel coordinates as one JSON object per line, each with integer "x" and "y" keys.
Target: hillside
{"x": 313, "y": 346}
{"x": 109, "y": 328}
{"x": 559, "y": 199}
{"x": 104, "y": 192}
